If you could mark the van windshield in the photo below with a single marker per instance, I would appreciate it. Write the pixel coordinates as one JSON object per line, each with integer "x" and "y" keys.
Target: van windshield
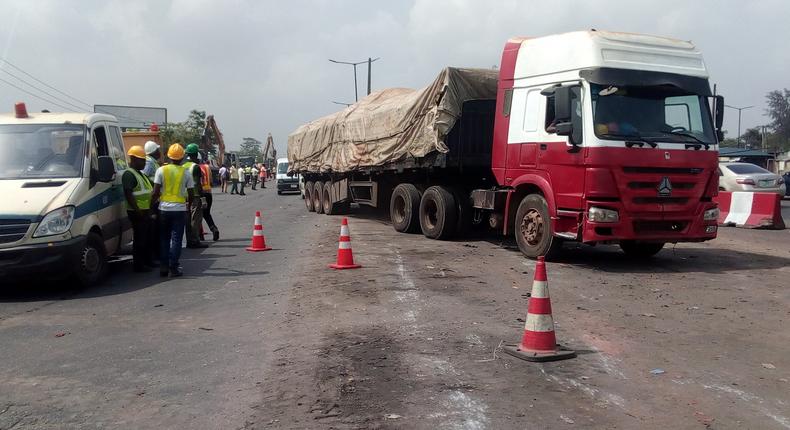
{"x": 41, "y": 151}
{"x": 651, "y": 113}
{"x": 282, "y": 168}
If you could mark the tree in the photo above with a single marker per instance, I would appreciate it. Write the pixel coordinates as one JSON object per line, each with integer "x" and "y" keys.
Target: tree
{"x": 752, "y": 138}
{"x": 251, "y": 147}
{"x": 779, "y": 111}
{"x": 189, "y": 131}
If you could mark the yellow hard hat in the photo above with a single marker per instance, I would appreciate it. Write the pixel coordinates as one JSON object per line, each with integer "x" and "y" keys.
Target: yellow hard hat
{"x": 136, "y": 151}
{"x": 175, "y": 152}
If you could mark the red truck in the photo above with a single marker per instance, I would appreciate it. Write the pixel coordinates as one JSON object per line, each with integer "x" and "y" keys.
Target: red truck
{"x": 592, "y": 136}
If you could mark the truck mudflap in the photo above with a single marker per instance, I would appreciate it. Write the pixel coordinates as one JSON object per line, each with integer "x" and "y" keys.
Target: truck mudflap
{"x": 651, "y": 227}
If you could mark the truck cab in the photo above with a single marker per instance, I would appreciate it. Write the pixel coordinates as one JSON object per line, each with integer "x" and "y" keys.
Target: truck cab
{"x": 64, "y": 211}
{"x": 604, "y": 137}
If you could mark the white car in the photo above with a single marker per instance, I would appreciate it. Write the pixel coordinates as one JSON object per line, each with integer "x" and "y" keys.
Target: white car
{"x": 749, "y": 177}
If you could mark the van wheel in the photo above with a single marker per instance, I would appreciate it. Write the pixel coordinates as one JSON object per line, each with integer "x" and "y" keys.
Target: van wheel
{"x": 533, "y": 231}
{"x": 438, "y": 213}
{"x": 318, "y": 192}
{"x": 91, "y": 267}
{"x": 405, "y": 208}
{"x": 637, "y": 249}
{"x": 308, "y": 196}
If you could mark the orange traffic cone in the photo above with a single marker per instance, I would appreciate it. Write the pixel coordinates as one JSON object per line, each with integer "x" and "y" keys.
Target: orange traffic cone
{"x": 345, "y": 258}
{"x": 258, "y": 240}
{"x": 539, "y": 342}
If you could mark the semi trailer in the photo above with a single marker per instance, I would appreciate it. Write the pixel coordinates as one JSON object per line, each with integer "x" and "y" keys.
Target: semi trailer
{"x": 592, "y": 136}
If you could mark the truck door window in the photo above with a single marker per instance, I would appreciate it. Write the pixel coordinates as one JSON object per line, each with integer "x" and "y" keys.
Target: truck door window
{"x": 531, "y": 120}
{"x": 550, "y": 116}
{"x": 116, "y": 148}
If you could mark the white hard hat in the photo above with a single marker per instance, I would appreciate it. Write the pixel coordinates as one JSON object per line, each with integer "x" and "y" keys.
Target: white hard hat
{"x": 151, "y": 147}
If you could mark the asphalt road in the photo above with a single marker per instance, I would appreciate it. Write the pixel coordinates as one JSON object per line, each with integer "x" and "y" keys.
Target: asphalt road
{"x": 412, "y": 340}
{"x": 142, "y": 352}
{"x": 786, "y": 210}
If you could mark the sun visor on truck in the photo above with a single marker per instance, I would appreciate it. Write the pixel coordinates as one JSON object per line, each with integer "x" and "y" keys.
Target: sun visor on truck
{"x": 627, "y": 77}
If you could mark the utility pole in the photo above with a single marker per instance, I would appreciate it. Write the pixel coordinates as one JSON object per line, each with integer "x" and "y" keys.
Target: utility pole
{"x": 739, "y": 109}
{"x": 355, "y": 64}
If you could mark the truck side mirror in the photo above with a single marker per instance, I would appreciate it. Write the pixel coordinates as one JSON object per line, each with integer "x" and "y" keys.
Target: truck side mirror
{"x": 562, "y": 104}
{"x": 718, "y": 110}
{"x": 106, "y": 171}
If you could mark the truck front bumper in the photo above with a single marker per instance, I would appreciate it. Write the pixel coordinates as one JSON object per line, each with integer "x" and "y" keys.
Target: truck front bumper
{"x": 41, "y": 260}
{"x": 669, "y": 227}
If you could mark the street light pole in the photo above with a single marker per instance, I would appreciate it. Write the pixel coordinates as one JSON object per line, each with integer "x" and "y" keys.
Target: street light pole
{"x": 355, "y": 64}
{"x": 739, "y": 109}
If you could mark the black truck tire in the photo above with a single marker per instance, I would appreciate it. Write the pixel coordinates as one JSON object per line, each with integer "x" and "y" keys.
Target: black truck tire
{"x": 465, "y": 211}
{"x": 636, "y": 249}
{"x": 438, "y": 213}
{"x": 308, "y": 196}
{"x": 405, "y": 208}
{"x": 532, "y": 228}
{"x": 91, "y": 267}
{"x": 318, "y": 192}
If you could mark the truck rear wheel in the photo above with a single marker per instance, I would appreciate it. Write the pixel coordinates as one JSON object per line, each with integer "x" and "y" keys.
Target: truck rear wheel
{"x": 533, "y": 231}
{"x": 438, "y": 213}
{"x": 91, "y": 267}
{"x": 308, "y": 196}
{"x": 636, "y": 249}
{"x": 318, "y": 192}
{"x": 464, "y": 211}
{"x": 405, "y": 208}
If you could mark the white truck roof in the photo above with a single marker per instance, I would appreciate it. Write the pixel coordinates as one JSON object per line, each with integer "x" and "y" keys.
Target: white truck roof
{"x": 56, "y": 118}
{"x": 593, "y": 49}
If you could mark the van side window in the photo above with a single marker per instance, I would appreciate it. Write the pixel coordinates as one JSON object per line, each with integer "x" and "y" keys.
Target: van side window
{"x": 100, "y": 141}
{"x": 116, "y": 148}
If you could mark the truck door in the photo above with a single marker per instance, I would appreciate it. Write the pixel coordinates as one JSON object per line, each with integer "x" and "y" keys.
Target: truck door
{"x": 102, "y": 195}
{"x": 119, "y": 208}
{"x": 524, "y": 132}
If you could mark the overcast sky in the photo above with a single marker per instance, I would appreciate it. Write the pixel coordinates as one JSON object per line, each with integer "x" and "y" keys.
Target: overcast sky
{"x": 262, "y": 66}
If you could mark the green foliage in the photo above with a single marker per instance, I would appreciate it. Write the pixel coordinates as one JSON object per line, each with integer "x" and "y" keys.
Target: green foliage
{"x": 779, "y": 112}
{"x": 251, "y": 147}
{"x": 189, "y": 131}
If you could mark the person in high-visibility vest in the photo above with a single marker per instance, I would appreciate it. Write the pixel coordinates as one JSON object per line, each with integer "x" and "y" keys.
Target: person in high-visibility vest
{"x": 152, "y": 156}
{"x": 137, "y": 189}
{"x": 205, "y": 184}
{"x": 174, "y": 189}
{"x": 196, "y": 210}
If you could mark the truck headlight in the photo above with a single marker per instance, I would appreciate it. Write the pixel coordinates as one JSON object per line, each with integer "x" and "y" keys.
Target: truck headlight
{"x": 602, "y": 215}
{"x": 711, "y": 214}
{"x": 56, "y": 222}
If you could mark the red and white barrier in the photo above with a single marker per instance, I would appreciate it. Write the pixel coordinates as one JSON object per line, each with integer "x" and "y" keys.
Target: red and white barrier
{"x": 750, "y": 210}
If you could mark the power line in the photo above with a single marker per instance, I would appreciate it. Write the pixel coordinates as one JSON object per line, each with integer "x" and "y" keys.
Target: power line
{"x": 43, "y": 83}
{"x": 37, "y": 96}
{"x": 42, "y": 91}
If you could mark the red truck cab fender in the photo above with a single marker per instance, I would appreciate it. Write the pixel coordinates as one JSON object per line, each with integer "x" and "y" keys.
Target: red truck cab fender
{"x": 522, "y": 186}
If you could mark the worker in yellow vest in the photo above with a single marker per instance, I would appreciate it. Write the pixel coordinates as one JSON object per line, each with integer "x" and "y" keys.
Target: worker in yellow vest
{"x": 137, "y": 189}
{"x": 196, "y": 209}
{"x": 174, "y": 189}
{"x": 208, "y": 198}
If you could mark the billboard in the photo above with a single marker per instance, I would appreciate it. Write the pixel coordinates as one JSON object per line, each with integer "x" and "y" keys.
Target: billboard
{"x": 134, "y": 116}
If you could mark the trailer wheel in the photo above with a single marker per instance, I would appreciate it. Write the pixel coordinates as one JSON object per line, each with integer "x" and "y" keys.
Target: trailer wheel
{"x": 318, "y": 192}
{"x": 438, "y": 213}
{"x": 308, "y": 196}
{"x": 405, "y": 208}
{"x": 465, "y": 211}
{"x": 533, "y": 231}
{"x": 636, "y": 249}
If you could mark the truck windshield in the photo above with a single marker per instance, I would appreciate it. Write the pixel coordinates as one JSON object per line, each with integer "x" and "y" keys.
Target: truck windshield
{"x": 282, "y": 168}
{"x": 41, "y": 151}
{"x": 653, "y": 114}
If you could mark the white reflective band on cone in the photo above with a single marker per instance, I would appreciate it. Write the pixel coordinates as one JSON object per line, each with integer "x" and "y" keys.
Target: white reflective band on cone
{"x": 257, "y": 232}
{"x": 344, "y": 230}
{"x": 257, "y": 221}
{"x": 540, "y": 289}
{"x": 539, "y": 323}
{"x": 344, "y": 245}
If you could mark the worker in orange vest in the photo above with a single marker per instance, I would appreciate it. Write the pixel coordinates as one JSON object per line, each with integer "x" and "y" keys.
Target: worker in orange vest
{"x": 205, "y": 184}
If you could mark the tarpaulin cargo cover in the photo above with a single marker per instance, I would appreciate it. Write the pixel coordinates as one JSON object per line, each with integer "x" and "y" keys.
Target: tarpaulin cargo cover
{"x": 389, "y": 126}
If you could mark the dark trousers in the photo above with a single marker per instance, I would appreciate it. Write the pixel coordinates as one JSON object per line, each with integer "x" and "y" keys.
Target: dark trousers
{"x": 207, "y": 211}
{"x": 171, "y": 225}
{"x": 242, "y": 187}
{"x": 254, "y": 180}
{"x": 234, "y": 189}
{"x": 141, "y": 248}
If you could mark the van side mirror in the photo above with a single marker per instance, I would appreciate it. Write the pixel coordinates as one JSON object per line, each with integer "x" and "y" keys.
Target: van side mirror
{"x": 106, "y": 171}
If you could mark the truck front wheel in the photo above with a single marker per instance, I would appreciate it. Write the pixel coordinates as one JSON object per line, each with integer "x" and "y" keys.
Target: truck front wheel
{"x": 405, "y": 208}
{"x": 533, "y": 228}
{"x": 308, "y": 196}
{"x": 318, "y": 193}
{"x": 91, "y": 261}
{"x": 636, "y": 249}
{"x": 438, "y": 213}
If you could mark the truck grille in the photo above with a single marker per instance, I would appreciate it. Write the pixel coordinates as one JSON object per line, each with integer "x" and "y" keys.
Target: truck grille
{"x": 641, "y": 183}
{"x": 12, "y": 230}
